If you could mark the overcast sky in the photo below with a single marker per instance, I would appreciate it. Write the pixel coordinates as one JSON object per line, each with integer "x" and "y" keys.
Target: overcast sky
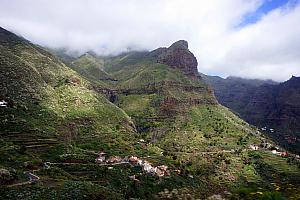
{"x": 247, "y": 38}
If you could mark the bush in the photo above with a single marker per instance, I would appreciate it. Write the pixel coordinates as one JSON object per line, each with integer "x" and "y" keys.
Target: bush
{"x": 6, "y": 176}
{"x": 254, "y": 155}
{"x": 272, "y": 196}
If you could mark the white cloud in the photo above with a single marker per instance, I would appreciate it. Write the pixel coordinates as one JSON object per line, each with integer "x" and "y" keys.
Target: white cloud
{"x": 269, "y": 48}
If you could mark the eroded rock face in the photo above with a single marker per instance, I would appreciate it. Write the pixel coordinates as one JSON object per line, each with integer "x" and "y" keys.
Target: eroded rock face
{"x": 179, "y": 56}
{"x": 264, "y": 104}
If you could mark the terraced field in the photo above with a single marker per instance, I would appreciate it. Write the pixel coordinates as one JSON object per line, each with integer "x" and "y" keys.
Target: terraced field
{"x": 58, "y": 121}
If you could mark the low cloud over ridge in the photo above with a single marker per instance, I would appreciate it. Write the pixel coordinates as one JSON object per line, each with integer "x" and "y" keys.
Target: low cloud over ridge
{"x": 223, "y": 44}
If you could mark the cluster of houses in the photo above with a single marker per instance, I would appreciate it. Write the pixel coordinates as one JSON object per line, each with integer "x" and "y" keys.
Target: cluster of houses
{"x": 161, "y": 170}
{"x": 3, "y": 103}
{"x": 279, "y": 153}
{"x": 148, "y": 168}
{"x": 265, "y": 129}
{"x": 268, "y": 146}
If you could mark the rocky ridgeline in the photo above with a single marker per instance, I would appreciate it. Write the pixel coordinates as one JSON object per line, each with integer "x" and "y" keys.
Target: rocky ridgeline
{"x": 153, "y": 88}
{"x": 179, "y": 56}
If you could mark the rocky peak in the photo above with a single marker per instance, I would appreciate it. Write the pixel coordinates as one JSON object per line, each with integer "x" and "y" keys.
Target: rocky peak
{"x": 292, "y": 84}
{"x": 181, "y": 44}
{"x": 294, "y": 78}
{"x": 179, "y": 56}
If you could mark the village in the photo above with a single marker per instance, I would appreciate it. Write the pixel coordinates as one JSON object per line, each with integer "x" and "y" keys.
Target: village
{"x": 150, "y": 169}
{"x": 268, "y": 147}
{"x": 162, "y": 170}
{"x": 265, "y": 146}
{"x": 134, "y": 161}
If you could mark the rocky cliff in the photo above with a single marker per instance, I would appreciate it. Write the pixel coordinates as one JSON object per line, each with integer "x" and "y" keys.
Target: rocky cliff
{"x": 179, "y": 56}
{"x": 264, "y": 104}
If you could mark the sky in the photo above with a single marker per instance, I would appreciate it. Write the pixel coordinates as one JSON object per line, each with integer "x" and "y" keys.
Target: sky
{"x": 246, "y": 38}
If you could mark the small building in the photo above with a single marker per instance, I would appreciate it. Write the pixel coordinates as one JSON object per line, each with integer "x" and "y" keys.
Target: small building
{"x": 254, "y": 147}
{"x": 140, "y": 162}
{"x": 264, "y": 128}
{"x": 114, "y": 159}
{"x": 142, "y": 140}
{"x": 163, "y": 167}
{"x": 284, "y": 154}
{"x": 3, "y": 103}
{"x": 148, "y": 167}
{"x": 100, "y": 158}
{"x": 274, "y": 151}
{"x": 159, "y": 172}
{"x": 133, "y": 159}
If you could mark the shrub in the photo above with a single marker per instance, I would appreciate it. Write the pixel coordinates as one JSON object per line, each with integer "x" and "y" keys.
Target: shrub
{"x": 272, "y": 196}
{"x": 254, "y": 155}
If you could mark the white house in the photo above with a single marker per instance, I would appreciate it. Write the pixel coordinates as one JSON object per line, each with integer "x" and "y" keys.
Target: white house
{"x": 100, "y": 158}
{"x": 253, "y": 147}
{"x": 3, "y": 103}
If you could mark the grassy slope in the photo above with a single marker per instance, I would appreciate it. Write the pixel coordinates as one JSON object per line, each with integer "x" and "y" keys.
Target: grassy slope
{"x": 92, "y": 68}
{"x": 181, "y": 135}
{"x": 194, "y": 129}
{"x": 178, "y": 137}
{"x": 54, "y": 112}
{"x": 263, "y": 103}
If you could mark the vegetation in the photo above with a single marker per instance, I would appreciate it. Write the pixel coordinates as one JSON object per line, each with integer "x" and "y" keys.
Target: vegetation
{"x": 263, "y": 103}
{"x": 56, "y": 124}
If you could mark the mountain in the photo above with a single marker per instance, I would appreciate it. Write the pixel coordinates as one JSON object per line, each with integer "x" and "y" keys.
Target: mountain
{"x": 278, "y": 107}
{"x": 34, "y": 80}
{"x": 91, "y": 67}
{"x": 234, "y": 92}
{"x": 153, "y": 130}
{"x": 65, "y": 55}
{"x": 264, "y": 104}
{"x": 178, "y": 56}
{"x": 52, "y": 112}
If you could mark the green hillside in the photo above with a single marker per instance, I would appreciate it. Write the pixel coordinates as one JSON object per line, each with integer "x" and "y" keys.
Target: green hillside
{"x": 153, "y": 105}
{"x": 53, "y": 114}
{"x": 263, "y": 103}
{"x": 92, "y": 68}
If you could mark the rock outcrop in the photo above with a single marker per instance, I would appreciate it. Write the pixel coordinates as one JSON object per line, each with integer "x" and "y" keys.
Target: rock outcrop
{"x": 178, "y": 56}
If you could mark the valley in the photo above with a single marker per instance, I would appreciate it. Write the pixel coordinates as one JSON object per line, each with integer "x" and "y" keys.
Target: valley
{"x": 271, "y": 106}
{"x": 158, "y": 123}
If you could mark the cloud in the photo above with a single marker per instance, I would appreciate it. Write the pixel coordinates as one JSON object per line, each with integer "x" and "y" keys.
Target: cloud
{"x": 269, "y": 48}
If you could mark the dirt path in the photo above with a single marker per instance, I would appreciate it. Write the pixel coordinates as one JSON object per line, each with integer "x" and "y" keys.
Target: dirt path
{"x": 208, "y": 152}
{"x": 20, "y": 184}
{"x": 91, "y": 164}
